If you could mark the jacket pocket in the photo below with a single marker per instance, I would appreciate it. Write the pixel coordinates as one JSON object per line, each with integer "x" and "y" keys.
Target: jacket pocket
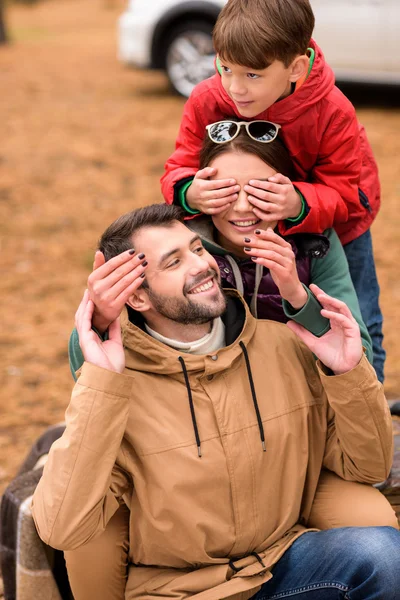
{"x": 364, "y": 200}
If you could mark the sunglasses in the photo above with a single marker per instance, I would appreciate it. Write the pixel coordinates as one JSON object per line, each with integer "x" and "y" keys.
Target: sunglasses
{"x": 226, "y": 131}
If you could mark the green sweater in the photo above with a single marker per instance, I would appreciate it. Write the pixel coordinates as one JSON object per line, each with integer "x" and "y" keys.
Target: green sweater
{"x": 330, "y": 273}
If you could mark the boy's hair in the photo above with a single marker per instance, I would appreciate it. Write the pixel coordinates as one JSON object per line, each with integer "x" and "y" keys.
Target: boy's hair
{"x": 255, "y": 33}
{"x": 118, "y": 236}
{"x": 273, "y": 154}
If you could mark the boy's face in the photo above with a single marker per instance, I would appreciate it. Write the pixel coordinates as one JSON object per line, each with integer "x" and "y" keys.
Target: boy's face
{"x": 254, "y": 91}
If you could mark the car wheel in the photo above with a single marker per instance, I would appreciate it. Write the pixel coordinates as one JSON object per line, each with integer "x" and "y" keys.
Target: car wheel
{"x": 189, "y": 55}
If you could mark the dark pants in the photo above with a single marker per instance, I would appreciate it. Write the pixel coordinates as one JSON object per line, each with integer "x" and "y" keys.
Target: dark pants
{"x": 362, "y": 270}
{"x": 354, "y": 563}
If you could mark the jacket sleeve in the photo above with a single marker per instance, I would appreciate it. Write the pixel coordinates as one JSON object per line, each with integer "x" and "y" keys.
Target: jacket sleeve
{"x": 359, "y": 441}
{"x": 75, "y": 355}
{"x": 82, "y": 481}
{"x": 184, "y": 162}
{"x": 332, "y": 275}
{"x": 332, "y": 193}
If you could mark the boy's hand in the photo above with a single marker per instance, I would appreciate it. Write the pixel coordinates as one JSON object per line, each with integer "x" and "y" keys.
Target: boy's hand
{"x": 211, "y": 197}
{"x": 340, "y": 349}
{"x": 111, "y": 283}
{"x": 109, "y": 354}
{"x": 272, "y": 251}
{"x": 275, "y": 199}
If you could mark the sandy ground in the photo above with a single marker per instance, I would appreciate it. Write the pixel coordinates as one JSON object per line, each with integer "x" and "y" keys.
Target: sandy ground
{"x": 82, "y": 140}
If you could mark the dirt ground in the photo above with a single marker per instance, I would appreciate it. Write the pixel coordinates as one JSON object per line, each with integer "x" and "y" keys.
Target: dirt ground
{"x": 82, "y": 140}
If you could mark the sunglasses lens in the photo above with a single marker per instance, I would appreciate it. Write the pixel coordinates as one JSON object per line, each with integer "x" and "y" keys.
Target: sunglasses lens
{"x": 262, "y": 131}
{"x": 223, "y": 132}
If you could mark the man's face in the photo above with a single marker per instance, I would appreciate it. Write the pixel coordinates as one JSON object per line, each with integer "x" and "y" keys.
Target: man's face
{"x": 254, "y": 91}
{"x": 183, "y": 278}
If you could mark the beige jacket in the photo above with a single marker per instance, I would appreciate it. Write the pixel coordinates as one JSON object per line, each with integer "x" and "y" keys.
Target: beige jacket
{"x": 131, "y": 437}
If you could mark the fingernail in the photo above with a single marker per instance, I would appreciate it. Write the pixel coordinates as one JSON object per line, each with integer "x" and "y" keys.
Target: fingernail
{"x": 141, "y": 255}
{"x": 132, "y": 251}
{"x": 232, "y": 182}
{"x": 247, "y": 240}
{"x": 251, "y": 182}
{"x": 145, "y": 263}
{"x": 247, "y": 249}
{"x": 253, "y": 258}
{"x": 257, "y": 231}
{"x": 143, "y": 275}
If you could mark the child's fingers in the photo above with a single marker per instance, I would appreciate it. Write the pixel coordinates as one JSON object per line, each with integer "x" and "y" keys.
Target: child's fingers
{"x": 267, "y": 202}
{"x": 266, "y": 186}
{"x": 258, "y": 187}
{"x": 205, "y": 173}
{"x": 217, "y": 211}
{"x": 219, "y": 194}
{"x": 281, "y": 179}
{"x": 216, "y": 184}
{"x": 265, "y": 216}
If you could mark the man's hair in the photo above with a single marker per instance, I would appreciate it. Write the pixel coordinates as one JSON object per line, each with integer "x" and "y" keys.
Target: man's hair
{"x": 255, "y": 33}
{"x": 118, "y": 236}
{"x": 274, "y": 154}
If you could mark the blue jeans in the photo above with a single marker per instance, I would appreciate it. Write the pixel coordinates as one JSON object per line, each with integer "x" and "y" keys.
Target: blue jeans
{"x": 354, "y": 563}
{"x": 362, "y": 270}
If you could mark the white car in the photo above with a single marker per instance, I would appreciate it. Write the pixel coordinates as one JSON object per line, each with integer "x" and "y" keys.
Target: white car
{"x": 360, "y": 38}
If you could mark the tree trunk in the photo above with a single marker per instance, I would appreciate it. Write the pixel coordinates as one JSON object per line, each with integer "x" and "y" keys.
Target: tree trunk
{"x": 3, "y": 32}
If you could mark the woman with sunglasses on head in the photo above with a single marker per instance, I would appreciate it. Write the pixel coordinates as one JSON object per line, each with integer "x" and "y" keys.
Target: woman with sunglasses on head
{"x": 273, "y": 274}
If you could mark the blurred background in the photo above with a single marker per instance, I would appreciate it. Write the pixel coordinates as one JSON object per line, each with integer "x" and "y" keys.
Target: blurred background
{"x": 83, "y": 139}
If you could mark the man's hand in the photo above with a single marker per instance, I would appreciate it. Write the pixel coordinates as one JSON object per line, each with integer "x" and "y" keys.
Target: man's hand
{"x": 275, "y": 199}
{"x": 109, "y": 354}
{"x": 339, "y": 349}
{"x": 211, "y": 197}
{"x": 111, "y": 284}
{"x": 273, "y": 252}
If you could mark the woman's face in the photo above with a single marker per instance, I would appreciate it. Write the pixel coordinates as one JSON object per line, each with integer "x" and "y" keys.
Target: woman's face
{"x": 239, "y": 220}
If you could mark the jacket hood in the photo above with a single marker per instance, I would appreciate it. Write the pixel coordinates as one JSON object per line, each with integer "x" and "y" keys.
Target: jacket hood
{"x": 146, "y": 354}
{"x": 204, "y": 227}
{"x": 319, "y": 82}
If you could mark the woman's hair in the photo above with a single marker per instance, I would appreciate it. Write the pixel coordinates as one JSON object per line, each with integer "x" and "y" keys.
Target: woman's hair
{"x": 273, "y": 154}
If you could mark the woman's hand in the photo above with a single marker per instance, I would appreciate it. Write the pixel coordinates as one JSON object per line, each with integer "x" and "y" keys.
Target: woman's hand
{"x": 111, "y": 283}
{"x": 340, "y": 348}
{"x": 275, "y": 199}
{"x": 109, "y": 354}
{"x": 270, "y": 250}
{"x": 211, "y": 196}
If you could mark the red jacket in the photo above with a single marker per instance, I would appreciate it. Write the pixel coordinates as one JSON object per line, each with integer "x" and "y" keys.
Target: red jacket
{"x": 337, "y": 172}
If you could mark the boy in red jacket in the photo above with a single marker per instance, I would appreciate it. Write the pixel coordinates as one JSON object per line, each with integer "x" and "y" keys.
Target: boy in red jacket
{"x": 269, "y": 68}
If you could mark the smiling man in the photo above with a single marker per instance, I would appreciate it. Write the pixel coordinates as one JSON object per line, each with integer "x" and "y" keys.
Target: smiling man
{"x": 212, "y": 428}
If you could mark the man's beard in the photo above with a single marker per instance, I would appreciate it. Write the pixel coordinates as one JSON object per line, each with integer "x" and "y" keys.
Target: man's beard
{"x": 185, "y": 310}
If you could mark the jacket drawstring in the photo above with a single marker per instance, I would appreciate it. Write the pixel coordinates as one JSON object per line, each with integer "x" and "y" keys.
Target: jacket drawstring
{"x": 253, "y": 393}
{"x": 189, "y": 391}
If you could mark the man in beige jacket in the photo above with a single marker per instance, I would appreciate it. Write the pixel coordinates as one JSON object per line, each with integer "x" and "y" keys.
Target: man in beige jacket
{"x": 213, "y": 428}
